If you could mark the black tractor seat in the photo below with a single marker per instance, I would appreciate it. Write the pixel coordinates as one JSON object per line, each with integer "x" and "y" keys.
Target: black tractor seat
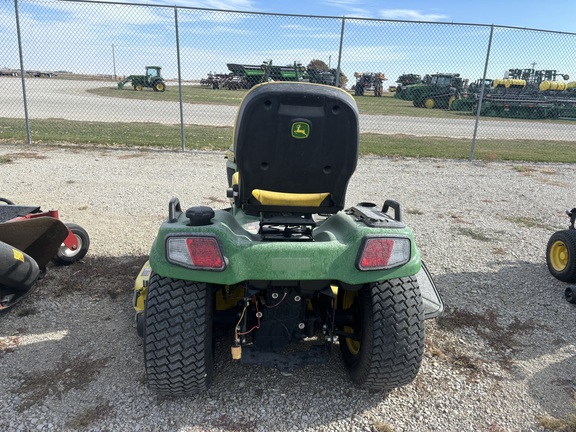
{"x": 296, "y": 147}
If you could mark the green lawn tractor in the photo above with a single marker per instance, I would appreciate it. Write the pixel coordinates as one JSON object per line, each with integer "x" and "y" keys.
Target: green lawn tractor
{"x": 153, "y": 79}
{"x": 561, "y": 256}
{"x": 286, "y": 273}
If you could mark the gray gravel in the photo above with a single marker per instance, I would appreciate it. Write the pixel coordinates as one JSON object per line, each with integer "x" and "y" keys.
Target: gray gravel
{"x": 502, "y": 357}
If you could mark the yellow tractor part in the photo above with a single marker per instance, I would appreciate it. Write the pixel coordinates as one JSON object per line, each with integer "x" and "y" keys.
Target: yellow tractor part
{"x": 141, "y": 286}
{"x": 348, "y": 298}
{"x": 429, "y": 103}
{"x": 553, "y": 85}
{"x": 558, "y": 255}
{"x": 138, "y": 87}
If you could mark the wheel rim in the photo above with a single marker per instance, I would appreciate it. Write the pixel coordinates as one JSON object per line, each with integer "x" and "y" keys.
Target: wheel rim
{"x": 429, "y": 103}
{"x": 66, "y": 252}
{"x": 138, "y": 88}
{"x": 347, "y": 303}
{"x": 159, "y": 87}
{"x": 558, "y": 256}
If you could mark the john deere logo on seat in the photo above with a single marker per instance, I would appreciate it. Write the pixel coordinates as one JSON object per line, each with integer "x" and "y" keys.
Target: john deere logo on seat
{"x": 300, "y": 130}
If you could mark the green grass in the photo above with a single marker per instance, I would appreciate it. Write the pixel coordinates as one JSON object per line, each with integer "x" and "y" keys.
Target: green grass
{"x": 220, "y": 138}
{"x": 385, "y": 105}
{"x": 117, "y": 134}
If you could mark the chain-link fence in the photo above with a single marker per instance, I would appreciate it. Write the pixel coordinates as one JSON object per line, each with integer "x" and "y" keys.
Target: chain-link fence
{"x": 79, "y": 71}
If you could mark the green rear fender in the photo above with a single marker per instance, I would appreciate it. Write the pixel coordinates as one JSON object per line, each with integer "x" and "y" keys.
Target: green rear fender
{"x": 332, "y": 256}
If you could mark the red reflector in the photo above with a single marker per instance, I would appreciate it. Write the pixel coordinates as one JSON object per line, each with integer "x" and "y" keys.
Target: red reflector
{"x": 377, "y": 253}
{"x": 204, "y": 252}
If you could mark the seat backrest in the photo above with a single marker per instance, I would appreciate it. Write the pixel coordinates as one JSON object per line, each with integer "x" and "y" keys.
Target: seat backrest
{"x": 296, "y": 147}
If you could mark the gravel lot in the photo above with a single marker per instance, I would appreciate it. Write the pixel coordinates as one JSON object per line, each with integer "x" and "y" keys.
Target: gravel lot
{"x": 502, "y": 358}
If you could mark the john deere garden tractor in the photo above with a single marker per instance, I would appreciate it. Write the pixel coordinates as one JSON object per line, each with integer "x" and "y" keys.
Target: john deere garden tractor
{"x": 153, "y": 79}
{"x": 286, "y": 273}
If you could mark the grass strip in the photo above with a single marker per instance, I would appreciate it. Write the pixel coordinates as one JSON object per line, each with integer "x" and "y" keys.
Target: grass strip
{"x": 219, "y": 138}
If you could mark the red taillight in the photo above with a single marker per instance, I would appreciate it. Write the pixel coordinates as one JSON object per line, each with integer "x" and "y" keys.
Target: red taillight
{"x": 383, "y": 253}
{"x": 202, "y": 253}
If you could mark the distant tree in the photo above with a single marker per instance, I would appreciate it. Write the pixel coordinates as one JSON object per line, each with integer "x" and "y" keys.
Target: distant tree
{"x": 343, "y": 78}
{"x": 318, "y": 65}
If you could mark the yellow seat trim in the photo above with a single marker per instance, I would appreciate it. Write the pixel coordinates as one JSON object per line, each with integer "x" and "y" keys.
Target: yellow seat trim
{"x": 235, "y": 178}
{"x": 289, "y": 199}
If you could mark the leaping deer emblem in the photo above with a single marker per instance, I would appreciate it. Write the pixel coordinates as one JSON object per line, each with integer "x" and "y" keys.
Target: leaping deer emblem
{"x": 300, "y": 130}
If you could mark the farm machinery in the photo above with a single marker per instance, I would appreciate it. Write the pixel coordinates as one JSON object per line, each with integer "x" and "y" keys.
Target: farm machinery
{"x": 369, "y": 81}
{"x": 439, "y": 90}
{"x": 153, "y": 79}
{"x": 285, "y": 273}
{"x": 527, "y": 93}
{"x": 251, "y": 75}
{"x": 561, "y": 256}
{"x": 402, "y": 82}
{"x": 29, "y": 239}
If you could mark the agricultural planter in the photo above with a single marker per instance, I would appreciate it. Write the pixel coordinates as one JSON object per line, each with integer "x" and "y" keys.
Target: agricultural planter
{"x": 285, "y": 272}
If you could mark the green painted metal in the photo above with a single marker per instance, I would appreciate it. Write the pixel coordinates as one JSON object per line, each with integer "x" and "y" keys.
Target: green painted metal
{"x": 152, "y": 77}
{"x": 331, "y": 256}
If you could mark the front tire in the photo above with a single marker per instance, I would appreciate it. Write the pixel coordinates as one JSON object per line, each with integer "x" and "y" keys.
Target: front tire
{"x": 66, "y": 256}
{"x": 159, "y": 86}
{"x": 388, "y": 326}
{"x": 561, "y": 255}
{"x": 178, "y": 345}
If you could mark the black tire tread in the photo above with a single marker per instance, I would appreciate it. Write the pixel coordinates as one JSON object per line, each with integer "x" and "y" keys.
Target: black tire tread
{"x": 178, "y": 352}
{"x": 568, "y": 237}
{"x": 81, "y": 232}
{"x": 392, "y": 345}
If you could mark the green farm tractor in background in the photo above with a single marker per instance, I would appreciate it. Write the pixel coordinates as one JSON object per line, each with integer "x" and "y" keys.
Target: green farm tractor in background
{"x": 153, "y": 79}
{"x": 436, "y": 91}
{"x": 285, "y": 272}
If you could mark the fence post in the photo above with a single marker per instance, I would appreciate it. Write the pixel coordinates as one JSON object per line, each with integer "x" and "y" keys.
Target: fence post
{"x": 24, "y": 97}
{"x": 481, "y": 98}
{"x": 179, "y": 80}
{"x": 340, "y": 53}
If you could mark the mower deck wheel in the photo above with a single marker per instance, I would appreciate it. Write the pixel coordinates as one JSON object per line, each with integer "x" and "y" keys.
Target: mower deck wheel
{"x": 570, "y": 294}
{"x": 66, "y": 256}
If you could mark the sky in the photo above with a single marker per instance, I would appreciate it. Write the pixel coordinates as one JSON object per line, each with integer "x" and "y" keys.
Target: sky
{"x": 557, "y": 15}
{"x": 392, "y": 37}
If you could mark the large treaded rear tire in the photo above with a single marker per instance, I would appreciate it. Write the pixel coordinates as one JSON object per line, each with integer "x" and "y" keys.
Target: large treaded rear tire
{"x": 389, "y": 316}
{"x": 178, "y": 345}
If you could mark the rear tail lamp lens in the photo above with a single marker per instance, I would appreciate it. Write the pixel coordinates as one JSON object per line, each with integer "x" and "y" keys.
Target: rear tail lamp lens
{"x": 379, "y": 253}
{"x": 202, "y": 253}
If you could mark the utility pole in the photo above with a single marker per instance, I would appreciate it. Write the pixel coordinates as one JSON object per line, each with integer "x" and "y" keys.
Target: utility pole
{"x": 114, "y": 62}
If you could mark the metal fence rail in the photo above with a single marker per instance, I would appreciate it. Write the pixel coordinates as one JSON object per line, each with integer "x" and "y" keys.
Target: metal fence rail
{"x": 481, "y": 87}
